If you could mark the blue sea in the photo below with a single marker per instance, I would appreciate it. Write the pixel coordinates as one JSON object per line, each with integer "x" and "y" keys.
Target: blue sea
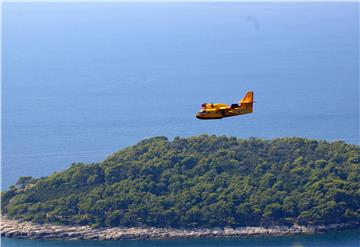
{"x": 83, "y": 80}
{"x": 348, "y": 238}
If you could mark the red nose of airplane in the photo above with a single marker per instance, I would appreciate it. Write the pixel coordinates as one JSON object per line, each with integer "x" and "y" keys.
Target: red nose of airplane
{"x": 199, "y": 116}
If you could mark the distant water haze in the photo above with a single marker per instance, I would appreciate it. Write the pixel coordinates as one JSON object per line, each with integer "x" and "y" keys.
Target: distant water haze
{"x": 82, "y": 80}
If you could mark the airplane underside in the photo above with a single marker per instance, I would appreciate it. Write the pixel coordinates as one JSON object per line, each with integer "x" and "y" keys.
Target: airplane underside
{"x": 210, "y": 116}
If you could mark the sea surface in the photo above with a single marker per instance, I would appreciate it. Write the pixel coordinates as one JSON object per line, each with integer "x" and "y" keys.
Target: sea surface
{"x": 83, "y": 80}
{"x": 348, "y": 238}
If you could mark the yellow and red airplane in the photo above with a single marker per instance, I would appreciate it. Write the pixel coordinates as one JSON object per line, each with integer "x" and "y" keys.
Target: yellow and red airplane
{"x": 219, "y": 110}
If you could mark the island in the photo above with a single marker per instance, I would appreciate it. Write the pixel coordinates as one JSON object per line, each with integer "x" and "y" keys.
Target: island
{"x": 202, "y": 186}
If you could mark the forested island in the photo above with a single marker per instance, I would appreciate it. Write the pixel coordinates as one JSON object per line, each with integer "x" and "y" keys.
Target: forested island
{"x": 199, "y": 182}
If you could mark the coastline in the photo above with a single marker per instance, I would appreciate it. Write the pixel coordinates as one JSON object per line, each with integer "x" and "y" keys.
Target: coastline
{"x": 27, "y": 230}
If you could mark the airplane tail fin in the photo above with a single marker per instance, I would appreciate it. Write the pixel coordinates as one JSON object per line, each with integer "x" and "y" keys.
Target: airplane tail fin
{"x": 247, "y": 101}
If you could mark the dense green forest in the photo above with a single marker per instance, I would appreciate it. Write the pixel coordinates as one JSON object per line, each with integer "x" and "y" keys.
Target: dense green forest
{"x": 202, "y": 181}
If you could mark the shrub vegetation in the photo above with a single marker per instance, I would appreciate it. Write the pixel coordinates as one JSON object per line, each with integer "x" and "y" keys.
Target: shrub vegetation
{"x": 204, "y": 181}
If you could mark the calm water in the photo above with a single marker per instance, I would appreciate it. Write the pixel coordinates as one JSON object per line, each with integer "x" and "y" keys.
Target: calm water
{"x": 80, "y": 81}
{"x": 341, "y": 239}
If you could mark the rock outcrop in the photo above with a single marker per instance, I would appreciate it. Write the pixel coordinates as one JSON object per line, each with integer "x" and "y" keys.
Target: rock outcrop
{"x": 28, "y": 230}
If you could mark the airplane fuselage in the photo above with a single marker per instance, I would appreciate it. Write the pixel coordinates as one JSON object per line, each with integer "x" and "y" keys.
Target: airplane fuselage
{"x": 218, "y": 111}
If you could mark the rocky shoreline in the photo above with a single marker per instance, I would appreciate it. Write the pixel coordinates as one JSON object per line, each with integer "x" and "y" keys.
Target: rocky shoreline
{"x": 28, "y": 230}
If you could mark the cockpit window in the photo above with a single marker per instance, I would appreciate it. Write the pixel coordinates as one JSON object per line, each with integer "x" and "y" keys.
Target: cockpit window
{"x": 203, "y": 111}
